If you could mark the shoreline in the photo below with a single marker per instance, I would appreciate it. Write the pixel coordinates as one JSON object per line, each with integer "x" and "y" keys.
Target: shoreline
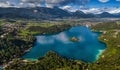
{"x": 97, "y": 56}
{"x": 101, "y": 52}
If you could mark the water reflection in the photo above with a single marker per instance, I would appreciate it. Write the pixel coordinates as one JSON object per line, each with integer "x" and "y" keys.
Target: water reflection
{"x": 87, "y": 49}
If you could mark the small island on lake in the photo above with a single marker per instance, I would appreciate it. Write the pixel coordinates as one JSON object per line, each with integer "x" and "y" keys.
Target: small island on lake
{"x": 74, "y": 39}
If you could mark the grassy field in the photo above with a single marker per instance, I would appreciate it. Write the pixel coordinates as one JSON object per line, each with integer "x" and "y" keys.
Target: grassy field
{"x": 41, "y": 24}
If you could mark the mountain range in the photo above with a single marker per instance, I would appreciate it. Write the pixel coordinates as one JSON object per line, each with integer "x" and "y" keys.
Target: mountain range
{"x": 50, "y": 13}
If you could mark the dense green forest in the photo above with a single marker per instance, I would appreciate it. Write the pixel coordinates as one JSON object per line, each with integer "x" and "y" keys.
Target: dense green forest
{"x": 47, "y": 30}
{"x": 51, "y": 61}
{"x": 13, "y": 48}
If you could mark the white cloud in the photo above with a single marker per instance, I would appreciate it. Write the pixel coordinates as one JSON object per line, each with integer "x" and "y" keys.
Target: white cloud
{"x": 48, "y": 3}
{"x": 71, "y": 8}
{"x": 100, "y": 10}
{"x": 5, "y": 4}
{"x": 114, "y": 10}
{"x": 67, "y": 7}
{"x": 64, "y": 4}
{"x": 45, "y": 40}
{"x": 32, "y": 1}
{"x": 62, "y": 37}
{"x": 92, "y": 10}
{"x": 103, "y": 1}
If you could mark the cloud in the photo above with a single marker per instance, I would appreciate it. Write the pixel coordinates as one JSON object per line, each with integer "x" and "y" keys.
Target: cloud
{"x": 92, "y": 10}
{"x": 71, "y": 5}
{"x": 100, "y": 10}
{"x": 114, "y": 10}
{"x": 48, "y": 3}
{"x": 32, "y": 1}
{"x": 61, "y": 37}
{"x": 5, "y": 4}
{"x": 66, "y": 7}
{"x": 51, "y": 3}
{"x": 70, "y": 8}
{"x": 103, "y": 1}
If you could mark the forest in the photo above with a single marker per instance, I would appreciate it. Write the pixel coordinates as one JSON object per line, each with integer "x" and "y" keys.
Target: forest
{"x": 11, "y": 48}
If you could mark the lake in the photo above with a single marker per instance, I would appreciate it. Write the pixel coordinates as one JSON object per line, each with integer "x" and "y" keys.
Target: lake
{"x": 87, "y": 49}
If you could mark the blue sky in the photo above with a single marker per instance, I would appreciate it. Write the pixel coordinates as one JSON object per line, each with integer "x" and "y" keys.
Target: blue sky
{"x": 97, "y": 3}
{"x": 87, "y": 6}
{"x": 97, "y": 6}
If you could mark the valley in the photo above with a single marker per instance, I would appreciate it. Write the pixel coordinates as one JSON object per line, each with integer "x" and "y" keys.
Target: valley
{"x": 17, "y": 38}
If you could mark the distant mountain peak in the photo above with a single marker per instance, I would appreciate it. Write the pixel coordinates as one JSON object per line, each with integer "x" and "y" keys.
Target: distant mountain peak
{"x": 48, "y": 13}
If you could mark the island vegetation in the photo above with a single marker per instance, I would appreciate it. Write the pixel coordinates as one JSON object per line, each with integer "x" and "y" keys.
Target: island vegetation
{"x": 74, "y": 39}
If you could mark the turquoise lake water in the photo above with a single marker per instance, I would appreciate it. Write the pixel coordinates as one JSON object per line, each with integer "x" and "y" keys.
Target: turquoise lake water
{"x": 87, "y": 49}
